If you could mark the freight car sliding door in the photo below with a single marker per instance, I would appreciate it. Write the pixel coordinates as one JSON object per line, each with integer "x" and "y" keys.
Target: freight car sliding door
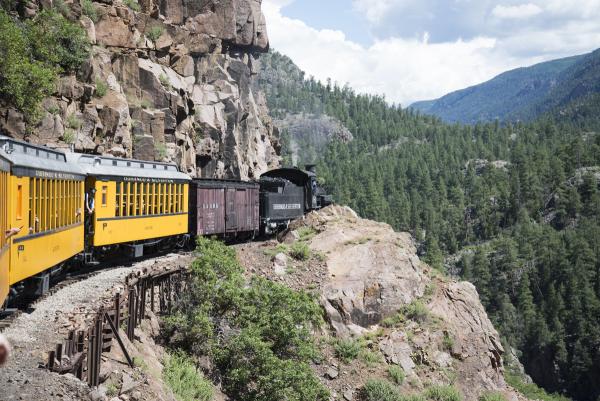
{"x": 211, "y": 211}
{"x": 231, "y": 213}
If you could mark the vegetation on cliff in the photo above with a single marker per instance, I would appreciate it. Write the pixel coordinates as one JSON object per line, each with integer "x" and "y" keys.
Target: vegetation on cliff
{"x": 258, "y": 335}
{"x": 519, "y": 204}
{"x": 32, "y": 55}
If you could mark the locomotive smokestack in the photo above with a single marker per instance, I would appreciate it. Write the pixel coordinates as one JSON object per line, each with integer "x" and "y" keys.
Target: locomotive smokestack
{"x": 311, "y": 167}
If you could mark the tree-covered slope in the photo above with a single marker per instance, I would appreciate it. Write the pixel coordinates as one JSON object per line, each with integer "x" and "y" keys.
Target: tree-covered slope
{"x": 515, "y": 208}
{"x": 520, "y": 94}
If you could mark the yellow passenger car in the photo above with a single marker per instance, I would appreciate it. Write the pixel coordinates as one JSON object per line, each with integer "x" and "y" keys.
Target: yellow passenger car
{"x": 4, "y": 245}
{"x": 134, "y": 201}
{"x": 44, "y": 226}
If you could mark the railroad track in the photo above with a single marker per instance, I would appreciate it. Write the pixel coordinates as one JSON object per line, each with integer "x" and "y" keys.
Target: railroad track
{"x": 13, "y": 314}
{"x": 27, "y": 306}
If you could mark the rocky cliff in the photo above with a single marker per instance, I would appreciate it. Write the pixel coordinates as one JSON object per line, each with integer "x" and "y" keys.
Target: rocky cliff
{"x": 376, "y": 292}
{"x": 167, "y": 80}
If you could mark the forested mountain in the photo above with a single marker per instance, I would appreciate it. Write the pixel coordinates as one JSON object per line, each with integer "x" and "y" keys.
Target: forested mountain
{"x": 514, "y": 208}
{"x": 522, "y": 94}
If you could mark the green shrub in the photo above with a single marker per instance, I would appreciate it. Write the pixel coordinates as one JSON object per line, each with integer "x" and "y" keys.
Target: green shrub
{"x": 57, "y": 41}
{"x": 145, "y": 104}
{"x": 267, "y": 355}
{"x": 184, "y": 379}
{"x": 300, "y": 251}
{"x": 133, "y": 4}
{"x": 443, "y": 393}
{"x": 492, "y": 396}
{"x": 160, "y": 150}
{"x": 87, "y": 7}
{"x": 164, "y": 81}
{"x": 380, "y": 390}
{"x": 396, "y": 373}
{"x": 347, "y": 350}
{"x": 154, "y": 32}
{"x": 24, "y": 80}
{"x": 394, "y": 320}
{"x": 74, "y": 122}
{"x": 417, "y": 311}
{"x": 101, "y": 88}
{"x": 448, "y": 342}
{"x": 61, "y": 7}
{"x": 69, "y": 136}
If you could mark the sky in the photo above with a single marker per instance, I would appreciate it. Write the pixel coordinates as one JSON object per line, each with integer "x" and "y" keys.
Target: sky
{"x": 410, "y": 50}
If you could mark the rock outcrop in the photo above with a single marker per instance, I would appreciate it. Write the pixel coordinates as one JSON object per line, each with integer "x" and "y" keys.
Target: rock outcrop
{"x": 373, "y": 286}
{"x": 170, "y": 82}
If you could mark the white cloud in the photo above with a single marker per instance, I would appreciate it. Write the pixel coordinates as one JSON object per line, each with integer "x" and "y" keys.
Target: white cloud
{"x": 376, "y": 10}
{"x": 521, "y": 11}
{"x": 405, "y": 70}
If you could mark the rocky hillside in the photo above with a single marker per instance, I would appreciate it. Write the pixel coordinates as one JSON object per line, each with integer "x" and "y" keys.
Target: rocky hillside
{"x": 305, "y": 122}
{"x": 397, "y": 312}
{"x": 165, "y": 80}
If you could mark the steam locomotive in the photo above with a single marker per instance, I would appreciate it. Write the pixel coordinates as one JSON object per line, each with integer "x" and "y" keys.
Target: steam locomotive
{"x": 59, "y": 209}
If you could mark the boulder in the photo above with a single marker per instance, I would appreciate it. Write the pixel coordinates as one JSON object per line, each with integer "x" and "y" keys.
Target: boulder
{"x": 112, "y": 30}
{"x": 397, "y": 350}
{"x": 280, "y": 263}
{"x": 89, "y": 27}
{"x": 363, "y": 288}
{"x": 183, "y": 65}
{"x": 113, "y": 112}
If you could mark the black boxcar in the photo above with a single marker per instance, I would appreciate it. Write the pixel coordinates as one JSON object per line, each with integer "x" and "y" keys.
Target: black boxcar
{"x": 224, "y": 208}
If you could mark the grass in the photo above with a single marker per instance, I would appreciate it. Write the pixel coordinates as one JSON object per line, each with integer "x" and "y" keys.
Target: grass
{"x": 112, "y": 390}
{"x": 133, "y": 4}
{"x": 397, "y": 374}
{"x": 140, "y": 363}
{"x": 154, "y": 33}
{"x": 370, "y": 358}
{"x": 300, "y": 251}
{"x": 443, "y": 393}
{"x": 88, "y": 9}
{"x": 380, "y": 390}
{"x": 306, "y": 233}
{"x": 492, "y": 396}
{"x": 184, "y": 379}
{"x": 531, "y": 390}
{"x": 347, "y": 350}
{"x": 280, "y": 248}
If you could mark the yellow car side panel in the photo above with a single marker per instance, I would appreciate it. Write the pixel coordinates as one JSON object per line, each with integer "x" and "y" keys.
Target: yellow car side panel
{"x": 110, "y": 229}
{"x": 4, "y": 260}
{"x": 4, "y": 244}
{"x": 32, "y": 256}
{"x": 141, "y": 228}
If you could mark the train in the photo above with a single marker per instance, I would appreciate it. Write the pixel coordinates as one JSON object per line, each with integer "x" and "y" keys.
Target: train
{"x": 65, "y": 210}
